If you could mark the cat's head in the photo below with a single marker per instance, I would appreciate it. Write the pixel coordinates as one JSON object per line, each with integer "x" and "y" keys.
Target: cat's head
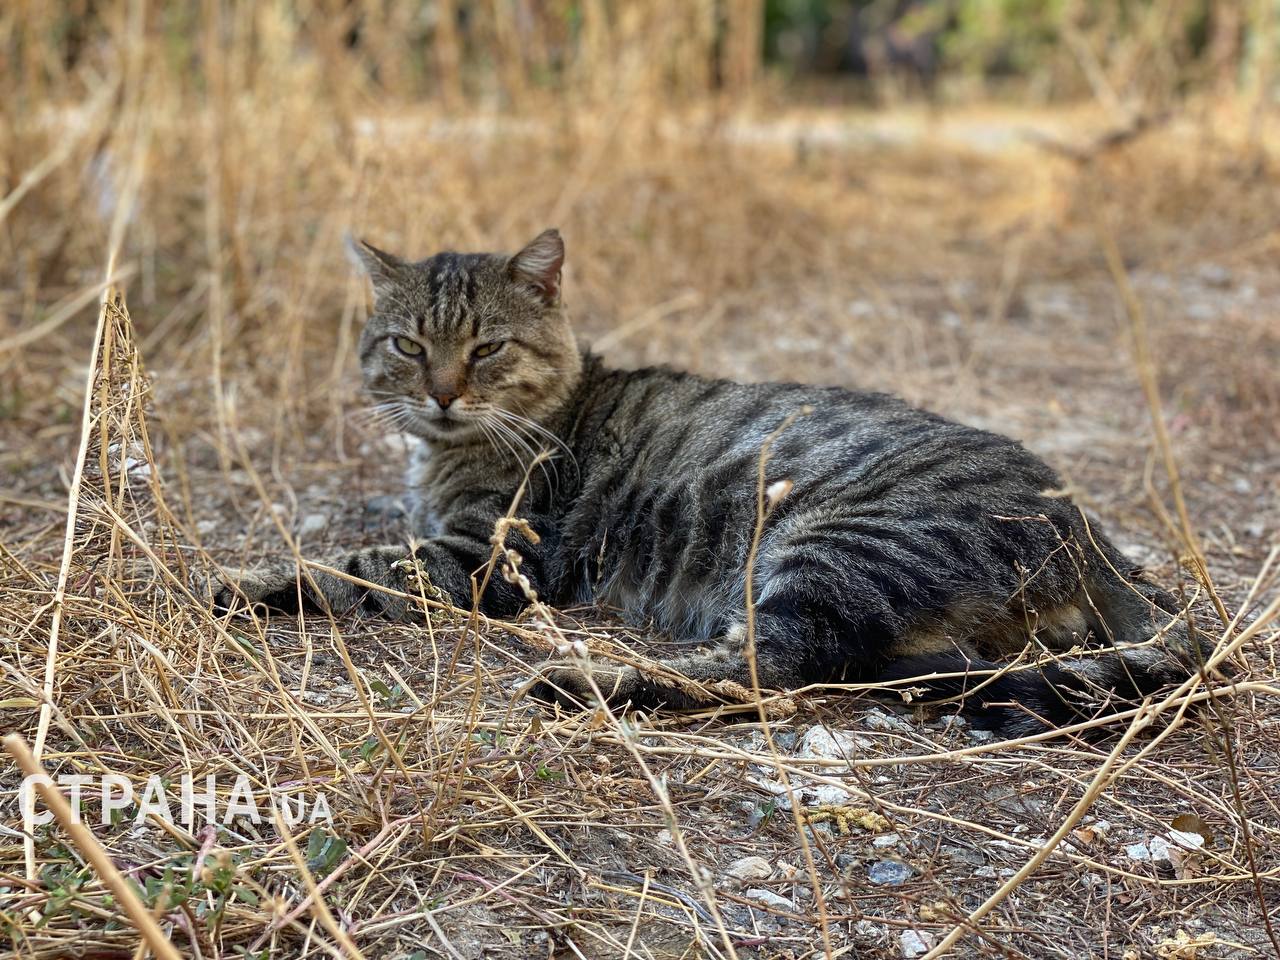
{"x": 461, "y": 340}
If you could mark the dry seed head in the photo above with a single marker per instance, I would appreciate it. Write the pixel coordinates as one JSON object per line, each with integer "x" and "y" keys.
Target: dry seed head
{"x": 777, "y": 491}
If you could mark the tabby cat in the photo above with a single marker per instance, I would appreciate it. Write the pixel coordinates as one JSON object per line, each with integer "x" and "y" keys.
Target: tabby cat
{"x": 907, "y": 545}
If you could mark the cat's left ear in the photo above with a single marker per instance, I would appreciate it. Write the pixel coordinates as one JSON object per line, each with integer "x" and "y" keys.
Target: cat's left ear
{"x": 539, "y": 264}
{"x": 383, "y": 269}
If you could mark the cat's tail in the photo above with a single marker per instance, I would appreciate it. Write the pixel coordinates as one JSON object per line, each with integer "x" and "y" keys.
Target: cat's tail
{"x": 1148, "y": 648}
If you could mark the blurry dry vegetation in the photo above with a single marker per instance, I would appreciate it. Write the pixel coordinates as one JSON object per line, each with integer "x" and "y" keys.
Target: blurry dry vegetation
{"x": 214, "y": 155}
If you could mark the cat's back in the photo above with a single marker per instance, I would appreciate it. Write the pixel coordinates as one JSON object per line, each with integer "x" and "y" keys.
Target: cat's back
{"x": 670, "y": 426}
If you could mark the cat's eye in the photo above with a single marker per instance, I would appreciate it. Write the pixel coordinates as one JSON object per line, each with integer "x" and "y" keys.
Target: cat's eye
{"x": 410, "y": 348}
{"x": 488, "y": 349}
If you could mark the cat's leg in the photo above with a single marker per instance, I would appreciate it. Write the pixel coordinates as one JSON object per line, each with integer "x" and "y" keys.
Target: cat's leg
{"x": 280, "y": 586}
{"x": 1144, "y": 647}
{"x": 441, "y": 568}
{"x": 794, "y": 645}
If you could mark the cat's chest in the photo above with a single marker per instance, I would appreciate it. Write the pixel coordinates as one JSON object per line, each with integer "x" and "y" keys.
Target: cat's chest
{"x": 437, "y": 482}
{"x": 424, "y": 511}
{"x": 444, "y": 483}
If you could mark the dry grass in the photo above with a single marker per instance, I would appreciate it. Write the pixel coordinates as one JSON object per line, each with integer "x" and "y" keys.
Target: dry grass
{"x": 959, "y": 265}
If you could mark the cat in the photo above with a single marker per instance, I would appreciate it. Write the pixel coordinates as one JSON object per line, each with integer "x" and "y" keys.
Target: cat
{"x": 906, "y": 545}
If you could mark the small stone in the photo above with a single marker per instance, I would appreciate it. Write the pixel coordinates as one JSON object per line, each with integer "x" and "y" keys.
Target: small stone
{"x": 979, "y": 735}
{"x": 986, "y": 873}
{"x": 886, "y": 840}
{"x": 781, "y": 800}
{"x": 828, "y": 794}
{"x": 1215, "y": 275}
{"x": 965, "y": 855}
{"x": 748, "y": 869}
{"x": 819, "y": 831}
{"x": 886, "y": 722}
{"x": 821, "y": 743}
{"x": 770, "y": 899}
{"x": 312, "y": 523}
{"x": 889, "y": 873}
{"x": 1158, "y": 848}
{"x": 915, "y": 943}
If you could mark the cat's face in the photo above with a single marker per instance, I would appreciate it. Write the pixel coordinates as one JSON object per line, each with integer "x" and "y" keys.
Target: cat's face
{"x": 459, "y": 344}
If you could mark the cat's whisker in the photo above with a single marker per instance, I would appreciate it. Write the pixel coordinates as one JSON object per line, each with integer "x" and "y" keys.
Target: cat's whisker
{"x": 530, "y": 424}
{"x": 537, "y": 434}
{"x": 505, "y": 431}
{"x": 377, "y": 416}
{"x": 491, "y": 438}
{"x": 542, "y": 462}
{"x": 398, "y": 411}
{"x": 364, "y": 417}
{"x": 536, "y": 449}
{"x": 499, "y": 435}
{"x": 395, "y": 414}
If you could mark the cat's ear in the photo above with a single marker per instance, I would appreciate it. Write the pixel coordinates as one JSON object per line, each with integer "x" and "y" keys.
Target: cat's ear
{"x": 383, "y": 269}
{"x": 539, "y": 264}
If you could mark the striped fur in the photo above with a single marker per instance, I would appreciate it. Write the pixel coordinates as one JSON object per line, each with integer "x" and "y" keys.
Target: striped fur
{"x": 908, "y": 546}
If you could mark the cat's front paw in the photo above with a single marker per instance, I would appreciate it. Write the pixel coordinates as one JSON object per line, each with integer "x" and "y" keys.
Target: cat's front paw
{"x": 228, "y": 589}
{"x": 415, "y": 579}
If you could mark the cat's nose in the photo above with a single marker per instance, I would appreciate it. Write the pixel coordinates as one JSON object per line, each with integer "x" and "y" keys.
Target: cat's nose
{"x": 444, "y": 399}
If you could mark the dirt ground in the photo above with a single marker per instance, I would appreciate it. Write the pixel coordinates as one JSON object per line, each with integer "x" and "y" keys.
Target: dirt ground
{"x": 963, "y": 272}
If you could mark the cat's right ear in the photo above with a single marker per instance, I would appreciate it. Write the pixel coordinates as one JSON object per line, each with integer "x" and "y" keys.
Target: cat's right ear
{"x": 383, "y": 269}
{"x": 539, "y": 265}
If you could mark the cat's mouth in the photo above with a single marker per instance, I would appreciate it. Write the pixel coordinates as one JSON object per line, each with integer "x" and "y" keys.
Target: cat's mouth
{"x": 447, "y": 423}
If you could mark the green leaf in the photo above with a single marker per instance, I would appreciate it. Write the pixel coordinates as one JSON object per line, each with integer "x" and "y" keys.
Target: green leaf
{"x": 324, "y": 850}
{"x": 245, "y": 644}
